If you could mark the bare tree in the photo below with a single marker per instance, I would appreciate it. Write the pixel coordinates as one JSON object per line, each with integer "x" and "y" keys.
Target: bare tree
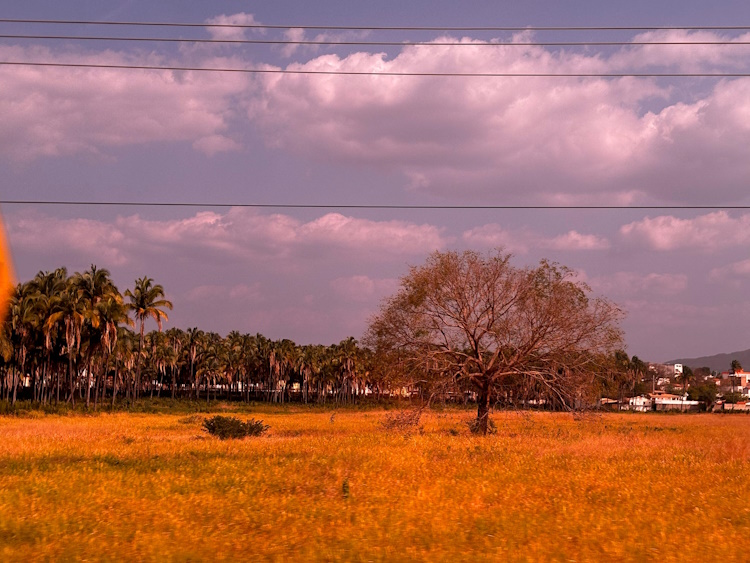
{"x": 469, "y": 317}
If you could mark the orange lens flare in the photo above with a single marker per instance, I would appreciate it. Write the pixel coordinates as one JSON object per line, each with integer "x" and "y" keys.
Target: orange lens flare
{"x": 6, "y": 272}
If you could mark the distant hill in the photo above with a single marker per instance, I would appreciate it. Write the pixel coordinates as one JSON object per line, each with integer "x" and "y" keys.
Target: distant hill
{"x": 717, "y": 362}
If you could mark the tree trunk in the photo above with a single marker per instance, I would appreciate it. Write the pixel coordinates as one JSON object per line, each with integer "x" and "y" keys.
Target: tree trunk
{"x": 114, "y": 385}
{"x": 72, "y": 383}
{"x": 88, "y": 381}
{"x": 15, "y": 386}
{"x": 137, "y": 384}
{"x": 483, "y": 408}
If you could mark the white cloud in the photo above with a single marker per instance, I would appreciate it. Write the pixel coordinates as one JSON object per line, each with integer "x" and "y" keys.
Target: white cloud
{"x": 526, "y": 138}
{"x": 732, "y": 274}
{"x": 634, "y": 284}
{"x": 493, "y": 235}
{"x": 292, "y": 35}
{"x": 213, "y": 144}
{"x": 238, "y": 233}
{"x": 709, "y": 232}
{"x": 573, "y": 240}
{"x": 36, "y": 233}
{"x": 521, "y": 241}
{"x": 681, "y": 58}
{"x": 394, "y": 237}
{"x": 61, "y": 111}
{"x": 530, "y": 139}
{"x": 230, "y": 33}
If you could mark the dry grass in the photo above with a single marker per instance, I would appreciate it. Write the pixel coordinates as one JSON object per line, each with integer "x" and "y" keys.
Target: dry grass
{"x": 545, "y": 487}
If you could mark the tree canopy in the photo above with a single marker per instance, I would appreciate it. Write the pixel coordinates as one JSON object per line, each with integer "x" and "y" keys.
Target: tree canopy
{"x": 471, "y": 318}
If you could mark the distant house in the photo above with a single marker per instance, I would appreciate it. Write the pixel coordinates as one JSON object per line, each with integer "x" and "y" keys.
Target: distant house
{"x": 608, "y": 404}
{"x": 661, "y": 401}
{"x": 667, "y": 402}
{"x": 741, "y": 406}
{"x": 734, "y": 381}
{"x": 640, "y": 404}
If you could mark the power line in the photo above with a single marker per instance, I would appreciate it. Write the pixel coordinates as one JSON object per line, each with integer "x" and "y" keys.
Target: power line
{"x": 371, "y": 43}
{"x": 389, "y": 73}
{"x": 365, "y": 206}
{"x": 381, "y": 28}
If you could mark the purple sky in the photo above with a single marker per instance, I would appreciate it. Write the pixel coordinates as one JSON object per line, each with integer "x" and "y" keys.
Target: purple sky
{"x": 316, "y": 275}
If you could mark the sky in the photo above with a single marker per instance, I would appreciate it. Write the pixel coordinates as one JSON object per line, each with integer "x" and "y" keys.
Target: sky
{"x": 316, "y": 275}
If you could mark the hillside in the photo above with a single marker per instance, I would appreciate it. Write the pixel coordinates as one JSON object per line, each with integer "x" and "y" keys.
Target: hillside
{"x": 717, "y": 362}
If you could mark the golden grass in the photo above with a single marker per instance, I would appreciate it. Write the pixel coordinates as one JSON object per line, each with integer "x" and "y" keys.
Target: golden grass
{"x": 546, "y": 487}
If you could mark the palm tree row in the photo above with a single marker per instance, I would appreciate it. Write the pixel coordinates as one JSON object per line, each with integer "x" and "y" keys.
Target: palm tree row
{"x": 70, "y": 338}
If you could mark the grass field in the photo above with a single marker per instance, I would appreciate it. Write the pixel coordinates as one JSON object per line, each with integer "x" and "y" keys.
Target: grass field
{"x": 323, "y": 487}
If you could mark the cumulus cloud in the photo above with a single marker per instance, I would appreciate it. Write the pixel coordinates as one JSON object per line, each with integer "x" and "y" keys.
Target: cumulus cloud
{"x": 318, "y": 42}
{"x": 709, "y": 232}
{"x": 493, "y": 235}
{"x": 36, "y": 233}
{"x": 681, "y": 57}
{"x": 213, "y": 144}
{"x": 530, "y": 139}
{"x": 573, "y": 240}
{"x": 394, "y": 237}
{"x": 731, "y": 274}
{"x": 238, "y": 233}
{"x": 62, "y": 111}
{"x": 521, "y": 241}
{"x": 539, "y": 138}
{"x": 632, "y": 283}
{"x": 230, "y": 33}
{"x": 292, "y": 35}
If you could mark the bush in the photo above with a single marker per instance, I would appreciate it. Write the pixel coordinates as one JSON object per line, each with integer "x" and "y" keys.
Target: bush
{"x": 404, "y": 421}
{"x": 734, "y": 397}
{"x": 226, "y": 427}
{"x": 474, "y": 427}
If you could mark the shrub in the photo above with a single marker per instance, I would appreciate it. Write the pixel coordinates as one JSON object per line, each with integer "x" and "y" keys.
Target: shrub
{"x": 404, "y": 421}
{"x": 474, "y": 427}
{"x": 733, "y": 397}
{"x": 226, "y": 427}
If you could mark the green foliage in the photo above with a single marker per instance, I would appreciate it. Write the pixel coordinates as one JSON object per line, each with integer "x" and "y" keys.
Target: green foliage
{"x": 734, "y": 397}
{"x": 702, "y": 373}
{"x": 226, "y": 427}
{"x": 641, "y": 388}
{"x": 705, "y": 392}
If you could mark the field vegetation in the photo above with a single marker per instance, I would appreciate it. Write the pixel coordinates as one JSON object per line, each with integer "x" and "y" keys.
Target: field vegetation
{"x": 342, "y": 484}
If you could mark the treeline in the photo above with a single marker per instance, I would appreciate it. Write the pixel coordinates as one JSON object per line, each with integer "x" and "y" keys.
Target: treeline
{"x": 76, "y": 338}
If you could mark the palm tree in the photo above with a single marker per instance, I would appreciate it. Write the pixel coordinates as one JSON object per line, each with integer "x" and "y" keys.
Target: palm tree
{"x": 346, "y": 356}
{"x": 146, "y": 300}
{"x": 213, "y": 361}
{"x": 94, "y": 287}
{"x": 48, "y": 286}
{"x": 175, "y": 338}
{"x": 111, "y": 312}
{"x": 193, "y": 341}
{"x": 124, "y": 357}
{"x": 23, "y": 320}
{"x": 68, "y": 309}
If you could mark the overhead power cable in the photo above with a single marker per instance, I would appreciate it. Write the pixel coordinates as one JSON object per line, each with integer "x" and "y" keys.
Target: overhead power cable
{"x": 380, "y": 28}
{"x": 389, "y": 73}
{"x": 360, "y": 206}
{"x": 369, "y": 43}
